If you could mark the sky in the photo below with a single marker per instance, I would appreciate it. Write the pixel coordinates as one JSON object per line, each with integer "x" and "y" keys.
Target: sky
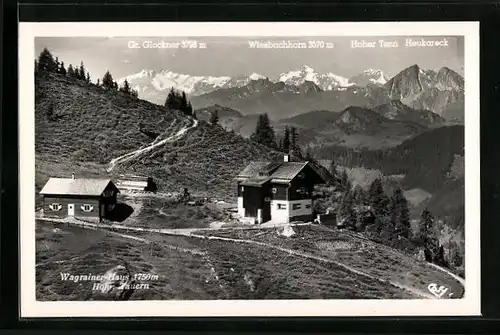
{"x": 233, "y": 56}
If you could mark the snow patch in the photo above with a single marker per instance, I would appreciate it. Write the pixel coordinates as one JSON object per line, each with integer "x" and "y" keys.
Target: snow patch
{"x": 256, "y": 76}
{"x": 167, "y": 79}
{"x": 326, "y": 81}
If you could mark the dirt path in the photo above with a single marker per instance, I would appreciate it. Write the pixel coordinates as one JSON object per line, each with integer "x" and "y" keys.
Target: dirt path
{"x": 156, "y": 143}
{"x": 388, "y": 249}
{"x": 320, "y": 259}
{"x": 189, "y": 232}
{"x": 456, "y": 277}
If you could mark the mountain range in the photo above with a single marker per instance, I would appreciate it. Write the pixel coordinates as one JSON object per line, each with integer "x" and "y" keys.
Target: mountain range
{"x": 300, "y": 91}
{"x": 439, "y": 92}
{"x": 152, "y": 84}
{"x": 356, "y": 127}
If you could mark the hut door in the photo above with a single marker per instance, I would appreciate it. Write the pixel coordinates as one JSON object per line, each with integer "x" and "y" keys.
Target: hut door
{"x": 71, "y": 209}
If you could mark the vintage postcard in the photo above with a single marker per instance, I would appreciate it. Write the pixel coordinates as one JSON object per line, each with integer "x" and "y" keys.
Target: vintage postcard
{"x": 249, "y": 169}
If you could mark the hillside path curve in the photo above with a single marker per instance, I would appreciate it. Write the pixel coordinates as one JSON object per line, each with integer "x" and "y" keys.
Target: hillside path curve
{"x": 154, "y": 144}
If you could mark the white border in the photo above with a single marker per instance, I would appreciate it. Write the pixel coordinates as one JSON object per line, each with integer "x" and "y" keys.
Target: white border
{"x": 469, "y": 305}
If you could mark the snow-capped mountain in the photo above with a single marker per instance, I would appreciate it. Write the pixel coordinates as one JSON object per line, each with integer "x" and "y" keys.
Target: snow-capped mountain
{"x": 166, "y": 79}
{"x": 240, "y": 81}
{"x": 369, "y": 76}
{"x": 440, "y": 92}
{"x": 326, "y": 81}
{"x": 153, "y": 85}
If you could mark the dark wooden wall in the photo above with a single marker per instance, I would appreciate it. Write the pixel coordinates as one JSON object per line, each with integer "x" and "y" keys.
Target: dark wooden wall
{"x": 77, "y": 201}
{"x": 295, "y": 185}
{"x": 281, "y": 191}
{"x": 252, "y": 200}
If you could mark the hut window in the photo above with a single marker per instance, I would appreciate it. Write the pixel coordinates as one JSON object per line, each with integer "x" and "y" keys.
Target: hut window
{"x": 108, "y": 193}
{"x": 302, "y": 190}
{"x": 110, "y": 207}
{"x": 87, "y": 208}
{"x": 281, "y": 206}
{"x": 308, "y": 206}
{"x": 242, "y": 188}
{"x": 274, "y": 190}
{"x": 55, "y": 207}
{"x": 296, "y": 206}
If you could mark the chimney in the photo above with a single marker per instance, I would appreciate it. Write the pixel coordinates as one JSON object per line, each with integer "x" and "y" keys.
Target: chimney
{"x": 72, "y": 176}
{"x": 286, "y": 158}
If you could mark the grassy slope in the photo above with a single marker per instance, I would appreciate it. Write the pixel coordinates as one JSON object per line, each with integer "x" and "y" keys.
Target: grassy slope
{"x": 206, "y": 160}
{"x": 81, "y": 251}
{"x": 357, "y": 252}
{"x": 249, "y": 272}
{"x": 90, "y": 126}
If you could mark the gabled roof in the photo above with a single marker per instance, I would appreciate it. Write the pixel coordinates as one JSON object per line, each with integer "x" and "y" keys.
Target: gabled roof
{"x": 256, "y": 181}
{"x": 278, "y": 172}
{"x": 287, "y": 171}
{"x": 252, "y": 169}
{"x": 69, "y": 186}
{"x": 270, "y": 168}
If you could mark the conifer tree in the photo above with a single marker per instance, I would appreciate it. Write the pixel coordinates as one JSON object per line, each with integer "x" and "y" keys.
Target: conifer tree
{"x": 286, "y": 140}
{"x": 400, "y": 214}
{"x": 36, "y": 66}
{"x": 214, "y": 117}
{"x": 427, "y": 236}
{"x": 293, "y": 139}
{"x": 81, "y": 72}
{"x": 183, "y": 103}
{"x": 174, "y": 100}
{"x": 379, "y": 202}
{"x": 377, "y": 198}
{"x": 264, "y": 132}
{"x": 189, "y": 109}
{"x": 57, "y": 65}
{"x": 46, "y": 61}
{"x": 87, "y": 78}
{"x": 126, "y": 87}
{"x": 62, "y": 70}
{"x": 107, "y": 81}
{"x": 294, "y": 144}
{"x": 386, "y": 229}
{"x": 170, "y": 98}
{"x": 98, "y": 83}
{"x": 426, "y": 224}
{"x": 71, "y": 71}
{"x": 360, "y": 201}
